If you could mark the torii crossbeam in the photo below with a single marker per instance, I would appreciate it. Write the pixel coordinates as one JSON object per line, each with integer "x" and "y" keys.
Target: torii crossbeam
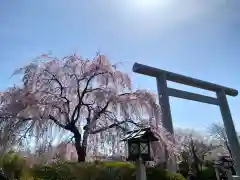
{"x": 221, "y": 100}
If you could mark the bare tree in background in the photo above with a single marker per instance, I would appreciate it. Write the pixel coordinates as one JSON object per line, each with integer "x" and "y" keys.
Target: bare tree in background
{"x": 193, "y": 148}
{"x": 71, "y": 93}
{"x": 217, "y": 130}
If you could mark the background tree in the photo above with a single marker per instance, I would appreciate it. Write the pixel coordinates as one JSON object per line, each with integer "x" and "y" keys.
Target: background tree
{"x": 77, "y": 95}
{"x": 193, "y": 148}
{"x": 218, "y": 132}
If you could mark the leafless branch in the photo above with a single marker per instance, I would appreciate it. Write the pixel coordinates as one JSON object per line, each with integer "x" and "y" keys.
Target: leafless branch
{"x": 117, "y": 124}
{"x": 62, "y": 112}
{"x": 70, "y": 140}
{"x": 74, "y": 118}
{"x": 57, "y": 122}
{"x": 26, "y": 131}
{"x": 89, "y": 112}
{"x": 54, "y": 78}
{"x": 98, "y": 114}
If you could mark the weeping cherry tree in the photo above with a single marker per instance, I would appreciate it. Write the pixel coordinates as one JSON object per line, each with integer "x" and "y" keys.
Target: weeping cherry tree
{"x": 77, "y": 95}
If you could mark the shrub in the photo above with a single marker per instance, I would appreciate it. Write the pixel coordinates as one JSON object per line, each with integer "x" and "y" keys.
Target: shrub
{"x": 98, "y": 171}
{"x": 13, "y": 165}
{"x": 208, "y": 173}
{"x": 184, "y": 169}
{"x": 156, "y": 173}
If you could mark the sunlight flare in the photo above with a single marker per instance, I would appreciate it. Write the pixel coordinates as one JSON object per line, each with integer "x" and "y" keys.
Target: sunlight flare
{"x": 149, "y": 4}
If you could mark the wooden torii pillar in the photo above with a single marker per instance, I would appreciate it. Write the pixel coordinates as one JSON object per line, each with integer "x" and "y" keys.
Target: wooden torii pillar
{"x": 221, "y": 100}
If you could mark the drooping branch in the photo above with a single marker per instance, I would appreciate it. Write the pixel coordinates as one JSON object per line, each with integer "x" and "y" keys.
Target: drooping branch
{"x": 97, "y": 114}
{"x": 61, "y": 111}
{"x": 54, "y": 78}
{"x": 57, "y": 122}
{"x": 103, "y": 110}
{"x": 26, "y": 132}
{"x": 117, "y": 124}
{"x": 89, "y": 108}
{"x": 78, "y": 106}
{"x": 81, "y": 95}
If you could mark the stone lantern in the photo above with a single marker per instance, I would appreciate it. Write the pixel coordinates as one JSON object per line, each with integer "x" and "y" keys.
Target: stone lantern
{"x": 224, "y": 167}
{"x": 139, "y": 144}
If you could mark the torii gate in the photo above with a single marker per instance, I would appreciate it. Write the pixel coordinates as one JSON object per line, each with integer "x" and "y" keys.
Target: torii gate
{"x": 164, "y": 92}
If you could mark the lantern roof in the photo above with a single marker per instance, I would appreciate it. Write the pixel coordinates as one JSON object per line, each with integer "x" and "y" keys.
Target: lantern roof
{"x": 144, "y": 133}
{"x": 225, "y": 158}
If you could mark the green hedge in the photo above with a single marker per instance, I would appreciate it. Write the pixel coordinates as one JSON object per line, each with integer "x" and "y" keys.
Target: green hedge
{"x": 208, "y": 173}
{"x": 16, "y": 167}
{"x": 98, "y": 171}
{"x": 13, "y": 165}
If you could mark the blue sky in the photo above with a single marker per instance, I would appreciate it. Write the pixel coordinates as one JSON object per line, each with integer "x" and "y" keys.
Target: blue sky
{"x": 198, "y": 38}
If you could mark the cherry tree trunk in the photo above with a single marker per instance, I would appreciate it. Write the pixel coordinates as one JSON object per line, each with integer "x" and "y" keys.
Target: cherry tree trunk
{"x": 81, "y": 150}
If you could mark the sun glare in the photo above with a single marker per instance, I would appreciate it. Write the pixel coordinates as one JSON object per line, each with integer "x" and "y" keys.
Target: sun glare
{"x": 148, "y": 4}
